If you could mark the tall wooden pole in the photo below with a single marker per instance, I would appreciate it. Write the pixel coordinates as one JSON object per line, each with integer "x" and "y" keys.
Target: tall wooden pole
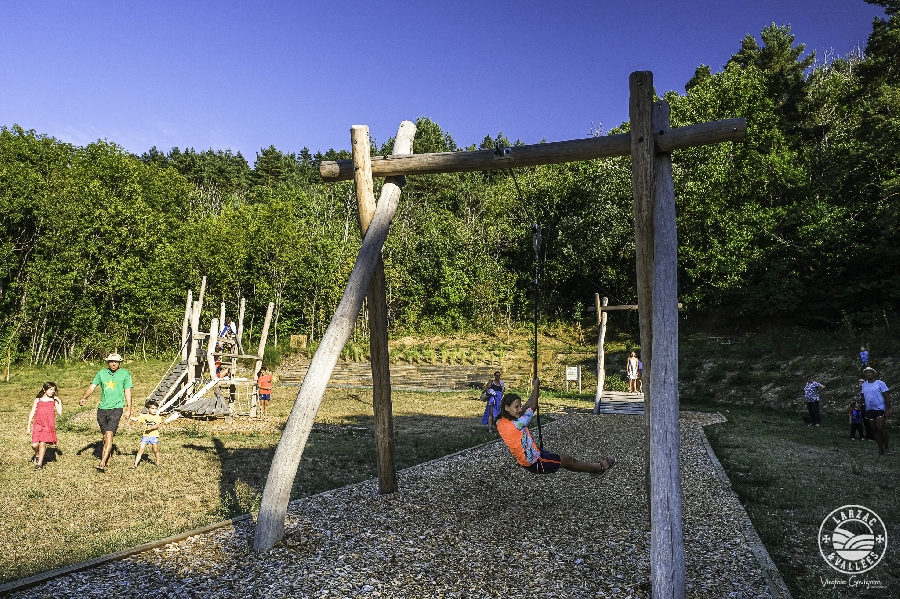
{"x": 240, "y": 326}
{"x": 640, "y": 108}
{"x": 260, "y": 354}
{"x": 193, "y": 362}
{"x": 202, "y": 291}
{"x": 221, "y": 316}
{"x": 277, "y": 492}
{"x": 263, "y": 339}
{"x": 211, "y": 347}
{"x": 666, "y": 538}
{"x": 186, "y": 324}
{"x": 601, "y": 353}
{"x": 377, "y": 303}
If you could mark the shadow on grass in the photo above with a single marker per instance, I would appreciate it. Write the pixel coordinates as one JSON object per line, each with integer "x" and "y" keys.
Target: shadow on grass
{"x": 335, "y": 455}
{"x": 96, "y": 449}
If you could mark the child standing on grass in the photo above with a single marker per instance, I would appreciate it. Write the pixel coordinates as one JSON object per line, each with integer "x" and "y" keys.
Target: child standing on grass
{"x": 513, "y": 429}
{"x": 264, "y": 384}
{"x": 864, "y": 356}
{"x": 152, "y": 421}
{"x": 42, "y": 422}
{"x": 856, "y": 423}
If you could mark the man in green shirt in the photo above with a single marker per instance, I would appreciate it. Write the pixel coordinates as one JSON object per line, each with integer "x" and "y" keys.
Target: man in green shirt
{"x": 115, "y": 398}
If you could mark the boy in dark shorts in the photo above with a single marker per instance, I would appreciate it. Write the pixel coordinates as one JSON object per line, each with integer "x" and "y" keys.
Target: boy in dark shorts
{"x": 513, "y": 429}
{"x": 115, "y": 402}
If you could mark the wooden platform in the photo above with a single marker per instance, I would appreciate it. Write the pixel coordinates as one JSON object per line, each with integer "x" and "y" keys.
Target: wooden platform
{"x": 618, "y": 402}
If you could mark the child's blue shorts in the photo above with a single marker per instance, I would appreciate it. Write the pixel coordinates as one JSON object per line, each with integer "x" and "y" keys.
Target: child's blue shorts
{"x": 150, "y": 440}
{"x": 548, "y": 463}
{"x": 265, "y": 396}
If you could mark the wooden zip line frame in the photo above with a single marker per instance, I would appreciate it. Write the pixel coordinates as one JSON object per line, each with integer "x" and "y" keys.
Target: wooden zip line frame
{"x": 602, "y": 307}
{"x": 649, "y": 143}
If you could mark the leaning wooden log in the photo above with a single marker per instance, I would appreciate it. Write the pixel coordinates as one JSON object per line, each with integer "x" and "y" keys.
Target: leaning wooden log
{"x": 666, "y": 536}
{"x": 537, "y": 154}
{"x": 277, "y": 492}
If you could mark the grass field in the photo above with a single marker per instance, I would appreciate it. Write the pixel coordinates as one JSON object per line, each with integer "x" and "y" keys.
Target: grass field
{"x": 211, "y": 471}
{"x": 789, "y": 477}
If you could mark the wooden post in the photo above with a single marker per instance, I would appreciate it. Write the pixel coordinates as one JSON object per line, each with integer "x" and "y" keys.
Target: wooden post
{"x": 666, "y": 538}
{"x": 640, "y": 109}
{"x": 601, "y": 353}
{"x": 277, "y": 492}
{"x": 202, "y": 291}
{"x": 211, "y": 347}
{"x": 377, "y": 304}
{"x": 240, "y": 327}
{"x": 579, "y": 379}
{"x": 186, "y": 324}
{"x": 221, "y": 317}
{"x": 195, "y": 341}
{"x": 8, "y": 362}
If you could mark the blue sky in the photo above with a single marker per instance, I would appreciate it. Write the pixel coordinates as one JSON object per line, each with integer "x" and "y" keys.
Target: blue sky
{"x": 246, "y": 75}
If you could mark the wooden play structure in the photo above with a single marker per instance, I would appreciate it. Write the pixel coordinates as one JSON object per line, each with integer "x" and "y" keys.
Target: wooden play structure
{"x": 192, "y": 385}
{"x": 649, "y": 143}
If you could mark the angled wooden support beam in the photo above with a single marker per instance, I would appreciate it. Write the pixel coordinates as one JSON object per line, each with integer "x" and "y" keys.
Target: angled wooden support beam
{"x": 377, "y": 297}
{"x": 537, "y": 154}
{"x": 277, "y": 492}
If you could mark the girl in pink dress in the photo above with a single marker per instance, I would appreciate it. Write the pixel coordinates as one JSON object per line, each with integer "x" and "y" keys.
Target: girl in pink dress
{"x": 42, "y": 422}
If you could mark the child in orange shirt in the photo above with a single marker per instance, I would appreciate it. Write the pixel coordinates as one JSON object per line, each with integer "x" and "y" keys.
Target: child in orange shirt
{"x": 513, "y": 429}
{"x": 264, "y": 384}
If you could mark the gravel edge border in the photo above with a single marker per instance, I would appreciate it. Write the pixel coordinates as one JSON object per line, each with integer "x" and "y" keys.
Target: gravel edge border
{"x": 36, "y": 579}
{"x": 777, "y": 588}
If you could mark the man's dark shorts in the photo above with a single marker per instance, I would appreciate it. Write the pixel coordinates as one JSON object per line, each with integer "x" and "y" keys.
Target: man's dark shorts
{"x": 109, "y": 419}
{"x": 873, "y": 414}
{"x": 548, "y": 463}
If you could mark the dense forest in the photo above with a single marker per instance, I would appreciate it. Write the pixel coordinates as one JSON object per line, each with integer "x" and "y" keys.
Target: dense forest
{"x": 98, "y": 246}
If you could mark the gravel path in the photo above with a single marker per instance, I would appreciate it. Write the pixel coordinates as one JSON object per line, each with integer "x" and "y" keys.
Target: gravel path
{"x": 469, "y": 525}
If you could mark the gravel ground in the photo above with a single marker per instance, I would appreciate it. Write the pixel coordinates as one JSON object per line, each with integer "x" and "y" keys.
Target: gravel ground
{"x": 470, "y": 525}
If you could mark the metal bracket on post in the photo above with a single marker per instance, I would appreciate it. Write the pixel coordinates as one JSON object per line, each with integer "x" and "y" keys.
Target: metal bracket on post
{"x": 502, "y": 153}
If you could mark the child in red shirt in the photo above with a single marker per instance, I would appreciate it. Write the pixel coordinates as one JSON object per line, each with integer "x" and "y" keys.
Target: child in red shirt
{"x": 513, "y": 429}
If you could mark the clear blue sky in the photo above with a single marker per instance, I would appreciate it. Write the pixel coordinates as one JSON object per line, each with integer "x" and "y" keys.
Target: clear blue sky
{"x": 246, "y": 75}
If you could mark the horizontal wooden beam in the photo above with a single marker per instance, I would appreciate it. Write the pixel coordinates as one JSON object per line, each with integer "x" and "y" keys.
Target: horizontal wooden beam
{"x": 533, "y": 155}
{"x": 624, "y": 307}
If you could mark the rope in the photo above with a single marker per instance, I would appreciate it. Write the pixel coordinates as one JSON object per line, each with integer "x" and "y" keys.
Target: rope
{"x": 536, "y": 241}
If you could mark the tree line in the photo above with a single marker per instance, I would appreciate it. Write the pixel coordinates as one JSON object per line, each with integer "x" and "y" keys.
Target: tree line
{"x": 98, "y": 246}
